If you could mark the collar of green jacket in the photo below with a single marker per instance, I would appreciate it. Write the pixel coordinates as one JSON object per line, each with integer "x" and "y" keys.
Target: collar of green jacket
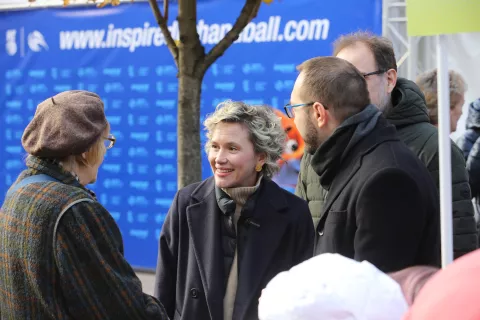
{"x": 408, "y": 104}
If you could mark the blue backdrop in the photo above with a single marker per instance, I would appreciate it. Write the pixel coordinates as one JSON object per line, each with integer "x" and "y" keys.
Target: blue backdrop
{"x": 120, "y": 53}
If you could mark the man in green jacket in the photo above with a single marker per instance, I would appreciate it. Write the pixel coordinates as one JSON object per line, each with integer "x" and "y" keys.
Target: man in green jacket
{"x": 403, "y": 104}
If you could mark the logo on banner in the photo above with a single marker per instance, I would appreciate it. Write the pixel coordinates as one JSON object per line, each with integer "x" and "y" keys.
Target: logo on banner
{"x": 36, "y": 41}
{"x": 11, "y": 42}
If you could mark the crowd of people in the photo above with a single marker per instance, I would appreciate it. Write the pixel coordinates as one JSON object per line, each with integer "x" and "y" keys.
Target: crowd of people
{"x": 359, "y": 239}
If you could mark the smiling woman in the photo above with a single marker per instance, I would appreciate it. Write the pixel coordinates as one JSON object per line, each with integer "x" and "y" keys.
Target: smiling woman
{"x": 256, "y": 128}
{"x": 224, "y": 234}
{"x": 232, "y": 157}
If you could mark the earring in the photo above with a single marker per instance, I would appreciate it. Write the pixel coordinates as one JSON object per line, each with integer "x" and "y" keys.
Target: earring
{"x": 258, "y": 167}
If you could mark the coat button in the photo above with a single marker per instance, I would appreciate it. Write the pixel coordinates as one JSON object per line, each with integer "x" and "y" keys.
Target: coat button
{"x": 194, "y": 293}
{"x": 320, "y": 233}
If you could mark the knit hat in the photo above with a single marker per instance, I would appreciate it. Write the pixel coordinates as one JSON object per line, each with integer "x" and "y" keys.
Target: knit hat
{"x": 452, "y": 293}
{"x": 330, "y": 286}
{"x": 66, "y": 124}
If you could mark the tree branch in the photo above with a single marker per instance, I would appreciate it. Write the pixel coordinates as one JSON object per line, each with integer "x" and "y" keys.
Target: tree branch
{"x": 165, "y": 9}
{"x": 162, "y": 23}
{"x": 249, "y": 12}
{"x": 193, "y": 52}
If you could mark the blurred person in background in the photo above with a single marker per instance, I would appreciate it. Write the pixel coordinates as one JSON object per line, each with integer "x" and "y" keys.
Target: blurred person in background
{"x": 427, "y": 82}
{"x": 226, "y": 237}
{"x": 61, "y": 251}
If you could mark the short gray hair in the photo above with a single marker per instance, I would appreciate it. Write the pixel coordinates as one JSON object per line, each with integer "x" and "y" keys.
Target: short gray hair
{"x": 264, "y": 126}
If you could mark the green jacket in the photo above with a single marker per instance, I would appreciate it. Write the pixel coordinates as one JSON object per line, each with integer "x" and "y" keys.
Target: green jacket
{"x": 410, "y": 116}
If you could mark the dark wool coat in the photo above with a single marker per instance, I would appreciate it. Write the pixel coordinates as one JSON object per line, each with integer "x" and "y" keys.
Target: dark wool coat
{"x": 275, "y": 236}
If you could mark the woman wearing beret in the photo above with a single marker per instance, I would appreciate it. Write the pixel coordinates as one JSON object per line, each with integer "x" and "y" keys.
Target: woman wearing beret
{"x": 226, "y": 237}
{"x": 61, "y": 253}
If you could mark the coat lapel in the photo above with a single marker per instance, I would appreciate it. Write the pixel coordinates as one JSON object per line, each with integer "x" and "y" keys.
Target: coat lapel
{"x": 204, "y": 226}
{"x": 352, "y": 164}
{"x": 260, "y": 244}
{"x": 339, "y": 183}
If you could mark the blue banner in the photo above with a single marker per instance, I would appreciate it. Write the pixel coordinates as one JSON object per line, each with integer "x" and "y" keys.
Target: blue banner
{"x": 120, "y": 53}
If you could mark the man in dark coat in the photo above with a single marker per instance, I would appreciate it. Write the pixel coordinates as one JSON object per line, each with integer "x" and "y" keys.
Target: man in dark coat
{"x": 403, "y": 105}
{"x": 382, "y": 205}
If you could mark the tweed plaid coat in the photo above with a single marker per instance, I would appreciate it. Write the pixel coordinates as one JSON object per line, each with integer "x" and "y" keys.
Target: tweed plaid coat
{"x": 84, "y": 275}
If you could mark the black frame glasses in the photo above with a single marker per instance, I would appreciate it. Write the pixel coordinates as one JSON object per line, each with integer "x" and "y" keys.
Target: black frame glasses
{"x": 373, "y": 73}
{"x": 111, "y": 141}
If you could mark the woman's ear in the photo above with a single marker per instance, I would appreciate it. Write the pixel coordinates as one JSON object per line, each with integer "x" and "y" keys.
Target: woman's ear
{"x": 262, "y": 158}
{"x": 83, "y": 160}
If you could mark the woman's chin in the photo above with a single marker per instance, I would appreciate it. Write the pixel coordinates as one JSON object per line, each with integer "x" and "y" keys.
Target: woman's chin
{"x": 223, "y": 183}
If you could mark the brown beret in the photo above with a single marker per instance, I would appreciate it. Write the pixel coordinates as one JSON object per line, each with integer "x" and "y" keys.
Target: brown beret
{"x": 66, "y": 124}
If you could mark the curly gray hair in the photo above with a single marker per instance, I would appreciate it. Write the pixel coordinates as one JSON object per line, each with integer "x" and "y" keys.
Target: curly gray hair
{"x": 266, "y": 132}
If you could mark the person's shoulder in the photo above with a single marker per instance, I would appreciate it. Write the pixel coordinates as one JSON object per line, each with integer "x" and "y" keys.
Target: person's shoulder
{"x": 279, "y": 193}
{"x": 58, "y": 194}
{"x": 422, "y": 139}
{"x": 189, "y": 188}
{"x": 80, "y": 210}
{"x": 398, "y": 170}
{"x": 429, "y": 147}
{"x": 198, "y": 190}
{"x": 395, "y": 177}
{"x": 391, "y": 156}
{"x": 71, "y": 190}
{"x": 385, "y": 155}
{"x": 419, "y": 135}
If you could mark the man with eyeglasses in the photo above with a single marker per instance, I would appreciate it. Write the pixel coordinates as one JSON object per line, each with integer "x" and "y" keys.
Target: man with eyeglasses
{"x": 403, "y": 105}
{"x": 381, "y": 204}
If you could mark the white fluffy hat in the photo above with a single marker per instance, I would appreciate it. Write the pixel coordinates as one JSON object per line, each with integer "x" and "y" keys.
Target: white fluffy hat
{"x": 332, "y": 287}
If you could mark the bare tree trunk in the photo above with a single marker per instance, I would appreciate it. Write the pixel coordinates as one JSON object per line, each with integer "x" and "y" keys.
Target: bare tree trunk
{"x": 192, "y": 62}
{"x": 189, "y": 167}
{"x": 191, "y": 53}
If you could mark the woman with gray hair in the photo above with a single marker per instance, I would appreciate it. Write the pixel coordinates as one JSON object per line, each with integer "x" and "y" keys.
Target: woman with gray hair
{"x": 226, "y": 237}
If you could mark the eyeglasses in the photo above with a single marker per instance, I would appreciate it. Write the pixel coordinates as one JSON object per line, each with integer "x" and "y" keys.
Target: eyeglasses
{"x": 109, "y": 141}
{"x": 373, "y": 73}
{"x": 290, "y": 111}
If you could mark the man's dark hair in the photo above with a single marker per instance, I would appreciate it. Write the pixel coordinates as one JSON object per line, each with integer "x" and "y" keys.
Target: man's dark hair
{"x": 381, "y": 48}
{"x": 335, "y": 83}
